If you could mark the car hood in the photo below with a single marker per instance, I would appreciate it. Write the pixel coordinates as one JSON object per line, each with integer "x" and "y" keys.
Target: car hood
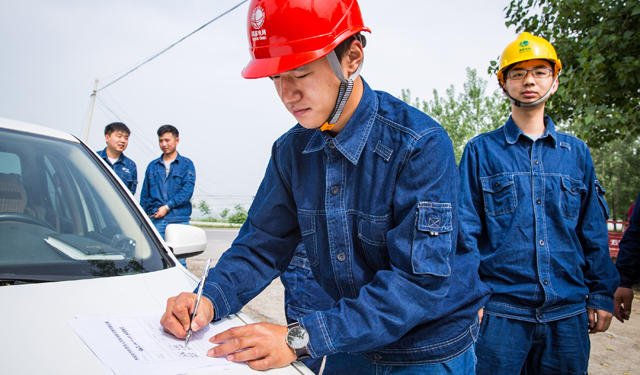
{"x": 36, "y": 336}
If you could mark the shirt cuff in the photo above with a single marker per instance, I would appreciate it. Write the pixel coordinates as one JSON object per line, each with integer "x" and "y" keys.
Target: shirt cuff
{"x": 320, "y": 343}
{"x": 626, "y": 282}
{"x": 219, "y": 301}
{"x": 600, "y": 302}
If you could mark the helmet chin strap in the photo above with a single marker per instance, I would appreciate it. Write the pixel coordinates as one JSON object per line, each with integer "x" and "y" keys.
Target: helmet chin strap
{"x": 346, "y": 86}
{"x": 532, "y": 104}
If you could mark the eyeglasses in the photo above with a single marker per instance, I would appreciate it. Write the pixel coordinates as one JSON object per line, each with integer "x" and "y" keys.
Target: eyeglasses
{"x": 518, "y": 74}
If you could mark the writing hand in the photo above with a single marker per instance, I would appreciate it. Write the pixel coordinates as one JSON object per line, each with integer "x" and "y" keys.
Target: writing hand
{"x": 177, "y": 316}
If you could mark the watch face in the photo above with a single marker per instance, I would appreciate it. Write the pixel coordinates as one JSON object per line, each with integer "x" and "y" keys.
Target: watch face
{"x": 297, "y": 337}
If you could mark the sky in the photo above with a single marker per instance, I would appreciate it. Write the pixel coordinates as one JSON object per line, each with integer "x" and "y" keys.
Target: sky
{"x": 52, "y": 51}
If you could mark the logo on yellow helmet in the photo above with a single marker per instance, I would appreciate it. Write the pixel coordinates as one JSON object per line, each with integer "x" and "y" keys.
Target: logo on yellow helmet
{"x": 524, "y": 47}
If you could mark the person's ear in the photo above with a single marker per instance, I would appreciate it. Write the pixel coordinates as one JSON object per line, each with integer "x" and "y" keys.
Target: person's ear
{"x": 353, "y": 58}
{"x": 555, "y": 86}
{"x": 106, "y": 138}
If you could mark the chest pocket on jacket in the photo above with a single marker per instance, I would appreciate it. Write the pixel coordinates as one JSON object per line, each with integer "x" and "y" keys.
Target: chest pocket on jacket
{"x": 571, "y": 197}
{"x": 373, "y": 239}
{"x": 432, "y": 239}
{"x": 177, "y": 180}
{"x": 499, "y": 195}
{"x": 308, "y": 231}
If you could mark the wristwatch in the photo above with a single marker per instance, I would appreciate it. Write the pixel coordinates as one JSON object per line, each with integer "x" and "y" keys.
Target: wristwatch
{"x": 166, "y": 206}
{"x": 297, "y": 339}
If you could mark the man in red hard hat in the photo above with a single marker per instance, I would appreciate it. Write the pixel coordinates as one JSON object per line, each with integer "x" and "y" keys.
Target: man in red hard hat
{"x": 369, "y": 184}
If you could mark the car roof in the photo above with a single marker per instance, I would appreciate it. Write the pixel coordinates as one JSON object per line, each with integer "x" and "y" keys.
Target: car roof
{"x": 26, "y": 127}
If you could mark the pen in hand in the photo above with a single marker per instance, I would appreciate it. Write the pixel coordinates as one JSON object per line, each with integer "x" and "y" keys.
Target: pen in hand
{"x": 205, "y": 272}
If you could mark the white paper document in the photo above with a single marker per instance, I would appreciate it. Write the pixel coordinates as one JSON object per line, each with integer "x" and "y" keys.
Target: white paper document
{"x": 136, "y": 344}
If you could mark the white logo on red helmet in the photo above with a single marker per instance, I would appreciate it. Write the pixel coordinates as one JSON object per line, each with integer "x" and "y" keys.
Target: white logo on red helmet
{"x": 257, "y": 17}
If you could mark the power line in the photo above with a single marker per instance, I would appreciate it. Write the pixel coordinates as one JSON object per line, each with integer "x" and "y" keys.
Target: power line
{"x": 171, "y": 46}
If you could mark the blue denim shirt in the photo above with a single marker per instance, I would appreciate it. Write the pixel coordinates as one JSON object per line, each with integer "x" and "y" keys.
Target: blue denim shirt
{"x": 125, "y": 168}
{"x": 628, "y": 263}
{"x": 376, "y": 207}
{"x": 537, "y": 215}
{"x": 174, "y": 190}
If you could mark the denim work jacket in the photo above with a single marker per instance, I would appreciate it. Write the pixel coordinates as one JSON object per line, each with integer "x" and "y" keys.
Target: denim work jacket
{"x": 376, "y": 207}
{"x": 537, "y": 215}
{"x": 125, "y": 168}
{"x": 628, "y": 263}
{"x": 174, "y": 190}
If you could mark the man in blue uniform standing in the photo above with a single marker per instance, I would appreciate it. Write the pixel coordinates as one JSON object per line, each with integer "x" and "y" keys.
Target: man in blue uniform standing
{"x": 168, "y": 184}
{"x": 370, "y": 185}
{"x": 531, "y": 204}
{"x": 116, "y": 135}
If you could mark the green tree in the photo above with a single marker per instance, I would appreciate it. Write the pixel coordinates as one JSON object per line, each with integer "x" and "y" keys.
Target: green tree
{"x": 598, "y": 43}
{"x": 616, "y": 165}
{"x": 224, "y": 213}
{"x": 466, "y": 114}
{"x": 239, "y": 214}
{"x": 204, "y": 208}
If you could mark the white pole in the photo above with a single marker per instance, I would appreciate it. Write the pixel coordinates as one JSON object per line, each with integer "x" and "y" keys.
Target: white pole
{"x": 93, "y": 100}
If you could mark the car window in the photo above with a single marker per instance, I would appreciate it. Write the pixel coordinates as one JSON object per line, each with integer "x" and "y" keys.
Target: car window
{"x": 62, "y": 217}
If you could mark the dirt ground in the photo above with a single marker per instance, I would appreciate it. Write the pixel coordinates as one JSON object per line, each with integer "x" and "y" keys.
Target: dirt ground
{"x": 617, "y": 351}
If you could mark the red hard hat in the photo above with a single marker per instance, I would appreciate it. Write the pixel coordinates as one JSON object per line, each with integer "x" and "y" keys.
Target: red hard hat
{"x": 286, "y": 34}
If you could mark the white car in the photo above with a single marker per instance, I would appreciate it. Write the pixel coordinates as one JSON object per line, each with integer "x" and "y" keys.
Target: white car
{"x": 74, "y": 242}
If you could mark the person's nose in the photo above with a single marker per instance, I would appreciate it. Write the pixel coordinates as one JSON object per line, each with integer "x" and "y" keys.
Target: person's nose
{"x": 528, "y": 78}
{"x": 288, "y": 90}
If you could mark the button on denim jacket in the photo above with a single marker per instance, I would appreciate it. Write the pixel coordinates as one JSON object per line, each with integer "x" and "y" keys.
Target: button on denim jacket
{"x": 376, "y": 208}
{"x": 537, "y": 215}
{"x": 125, "y": 168}
{"x": 174, "y": 190}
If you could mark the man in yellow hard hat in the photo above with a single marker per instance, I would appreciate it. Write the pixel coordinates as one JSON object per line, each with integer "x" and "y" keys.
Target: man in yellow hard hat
{"x": 531, "y": 204}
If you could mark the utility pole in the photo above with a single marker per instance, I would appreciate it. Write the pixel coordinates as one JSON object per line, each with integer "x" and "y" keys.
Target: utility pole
{"x": 93, "y": 100}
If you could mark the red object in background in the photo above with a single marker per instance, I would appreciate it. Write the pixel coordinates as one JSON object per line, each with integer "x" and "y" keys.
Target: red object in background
{"x": 615, "y": 237}
{"x": 630, "y": 210}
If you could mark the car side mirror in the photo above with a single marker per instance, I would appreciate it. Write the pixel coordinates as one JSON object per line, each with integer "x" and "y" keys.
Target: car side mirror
{"x": 185, "y": 241}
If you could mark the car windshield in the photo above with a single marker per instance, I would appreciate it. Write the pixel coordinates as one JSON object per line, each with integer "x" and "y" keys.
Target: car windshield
{"x": 62, "y": 217}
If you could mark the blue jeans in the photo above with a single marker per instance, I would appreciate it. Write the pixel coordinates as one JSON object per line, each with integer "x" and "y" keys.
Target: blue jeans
{"x": 303, "y": 295}
{"x": 161, "y": 225}
{"x": 511, "y": 347}
{"x": 358, "y": 364}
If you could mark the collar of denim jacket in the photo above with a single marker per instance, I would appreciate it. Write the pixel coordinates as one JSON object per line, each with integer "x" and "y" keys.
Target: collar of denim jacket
{"x": 353, "y": 137}
{"x": 103, "y": 155}
{"x": 178, "y": 159}
{"x": 512, "y": 132}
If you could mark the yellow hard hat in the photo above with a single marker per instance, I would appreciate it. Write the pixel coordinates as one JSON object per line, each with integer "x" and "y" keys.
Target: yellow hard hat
{"x": 528, "y": 47}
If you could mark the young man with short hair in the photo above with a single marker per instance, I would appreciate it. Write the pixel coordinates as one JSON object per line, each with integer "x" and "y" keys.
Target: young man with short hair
{"x": 116, "y": 135}
{"x": 369, "y": 184}
{"x": 531, "y": 204}
{"x": 168, "y": 185}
